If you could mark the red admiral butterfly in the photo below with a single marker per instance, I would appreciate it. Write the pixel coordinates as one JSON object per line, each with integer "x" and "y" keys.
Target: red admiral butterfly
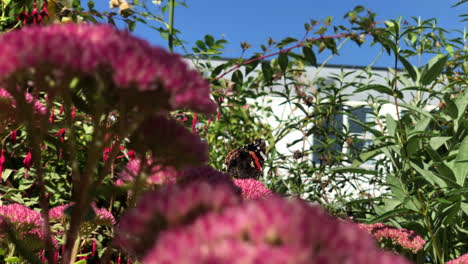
{"x": 247, "y": 161}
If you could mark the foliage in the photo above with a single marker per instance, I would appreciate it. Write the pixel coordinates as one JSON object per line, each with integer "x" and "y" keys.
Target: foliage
{"x": 406, "y": 167}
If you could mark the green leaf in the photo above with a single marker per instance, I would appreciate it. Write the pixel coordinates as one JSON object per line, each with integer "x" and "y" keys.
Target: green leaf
{"x": 83, "y": 261}
{"x": 408, "y": 67}
{"x": 433, "y": 70}
{"x": 459, "y": 3}
{"x": 209, "y": 40}
{"x": 286, "y": 42}
{"x": 461, "y": 162}
{"x": 309, "y": 56}
{"x": 353, "y": 170}
{"x": 462, "y": 103}
{"x": 131, "y": 24}
{"x": 237, "y": 78}
{"x": 437, "y": 142}
{"x": 380, "y": 88}
{"x": 12, "y": 259}
{"x": 218, "y": 70}
{"x": 416, "y": 109}
{"x": 389, "y": 214}
{"x": 391, "y": 125}
{"x": 201, "y": 45}
{"x": 464, "y": 207}
{"x": 267, "y": 72}
{"x": 429, "y": 175}
{"x": 283, "y": 62}
{"x": 251, "y": 66}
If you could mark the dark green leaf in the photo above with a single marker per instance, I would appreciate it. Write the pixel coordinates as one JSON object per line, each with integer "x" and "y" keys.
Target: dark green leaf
{"x": 286, "y": 42}
{"x": 237, "y": 78}
{"x": 408, "y": 67}
{"x": 354, "y": 170}
{"x": 389, "y": 214}
{"x": 267, "y": 72}
{"x": 380, "y": 88}
{"x": 201, "y": 45}
{"x": 283, "y": 62}
{"x": 437, "y": 142}
{"x": 461, "y": 162}
{"x": 435, "y": 67}
{"x": 209, "y": 40}
{"x": 251, "y": 66}
{"x": 309, "y": 56}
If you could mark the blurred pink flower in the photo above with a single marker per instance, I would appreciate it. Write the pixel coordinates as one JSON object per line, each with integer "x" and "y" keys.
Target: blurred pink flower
{"x": 170, "y": 207}
{"x": 272, "y": 230}
{"x": 405, "y": 238}
{"x": 252, "y": 189}
{"x": 2, "y": 162}
{"x": 103, "y": 217}
{"x": 158, "y": 174}
{"x": 8, "y": 105}
{"x": 170, "y": 142}
{"x": 88, "y": 48}
{"x": 463, "y": 259}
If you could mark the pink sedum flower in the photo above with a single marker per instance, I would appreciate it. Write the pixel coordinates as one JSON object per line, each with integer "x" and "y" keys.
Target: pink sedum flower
{"x": 272, "y": 230}
{"x": 21, "y": 216}
{"x": 405, "y": 238}
{"x": 88, "y": 48}
{"x": 26, "y": 224}
{"x": 463, "y": 259}
{"x": 170, "y": 207}
{"x": 252, "y": 189}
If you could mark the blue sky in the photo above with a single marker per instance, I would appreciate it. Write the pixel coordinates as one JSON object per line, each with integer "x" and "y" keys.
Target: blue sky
{"x": 255, "y": 21}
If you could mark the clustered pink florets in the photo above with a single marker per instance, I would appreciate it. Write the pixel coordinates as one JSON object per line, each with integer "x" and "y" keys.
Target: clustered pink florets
{"x": 405, "y": 238}
{"x": 273, "y": 230}
{"x": 172, "y": 206}
{"x": 8, "y": 104}
{"x": 87, "y": 48}
{"x": 21, "y": 216}
{"x": 252, "y": 189}
{"x": 158, "y": 174}
{"x": 463, "y": 259}
{"x": 26, "y": 223}
{"x": 103, "y": 217}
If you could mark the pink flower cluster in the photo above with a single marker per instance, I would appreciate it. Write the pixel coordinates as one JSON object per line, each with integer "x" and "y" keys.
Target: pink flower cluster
{"x": 170, "y": 142}
{"x": 103, "y": 217}
{"x": 8, "y": 105}
{"x": 463, "y": 259}
{"x": 26, "y": 224}
{"x": 170, "y": 207}
{"x": 272, "y": 230}
{"x": 405, "y": 238}
{"x": 252, "y": 189}
{"x": 88, "y": 48}
{"x": 157, "y": 174}
{"x": 23, "y": 218}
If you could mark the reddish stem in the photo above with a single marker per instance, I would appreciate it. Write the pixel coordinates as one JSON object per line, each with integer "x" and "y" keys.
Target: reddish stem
{"x": 300, "y": 44}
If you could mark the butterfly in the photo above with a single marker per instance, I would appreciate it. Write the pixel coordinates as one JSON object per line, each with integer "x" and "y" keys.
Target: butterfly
{"x": 247, "y": 161}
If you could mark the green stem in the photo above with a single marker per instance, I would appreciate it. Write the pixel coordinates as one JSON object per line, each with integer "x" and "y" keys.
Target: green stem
{"x": 171, "y": 24}
{"x": 76, "y": 248}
